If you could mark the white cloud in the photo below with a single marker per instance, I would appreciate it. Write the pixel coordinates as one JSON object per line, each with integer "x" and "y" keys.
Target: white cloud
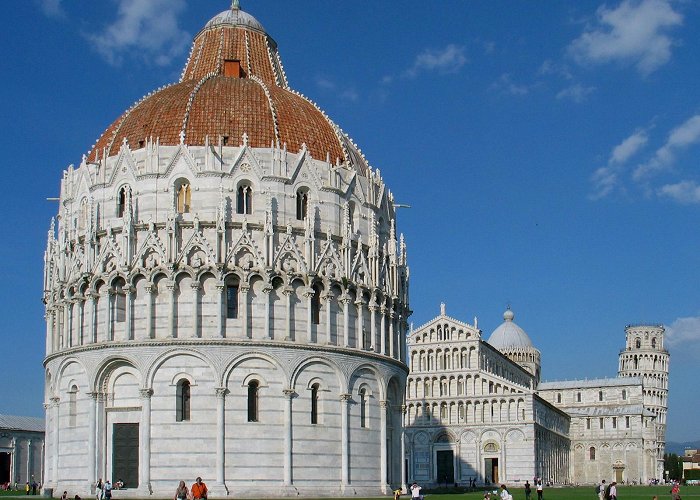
{"x": 576, "y": 92}
{"x": 685, "y": 192}
{"x": 606, "y": 179}
{"x": 146, "y": 28}
{"x": 683, "y": 332}
{"x": 505, "y": 84}
{"x": 629, "y": 147}
{"x": 52, "y": 8}
{"x": 549, "y": 67}
{"x": 635, "y": 33}
{"x": 444, "y": 61}
{"x": 347, "y": 94}
{"x": 686, "y": 134}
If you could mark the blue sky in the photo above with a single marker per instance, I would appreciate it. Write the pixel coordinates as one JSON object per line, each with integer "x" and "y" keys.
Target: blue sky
{"x": 549, "y": 151}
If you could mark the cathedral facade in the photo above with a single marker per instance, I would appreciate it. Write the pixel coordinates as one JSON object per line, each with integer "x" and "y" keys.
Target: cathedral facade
{"x": 225, "y": 288}
{"x": 477, "y": 411}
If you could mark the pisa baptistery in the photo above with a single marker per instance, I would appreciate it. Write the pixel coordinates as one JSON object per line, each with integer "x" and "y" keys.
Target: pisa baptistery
{"x": 226, "y": 295}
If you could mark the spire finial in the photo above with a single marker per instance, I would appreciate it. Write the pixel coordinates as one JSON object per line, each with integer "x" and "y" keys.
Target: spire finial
{"x": 235, "y": 5}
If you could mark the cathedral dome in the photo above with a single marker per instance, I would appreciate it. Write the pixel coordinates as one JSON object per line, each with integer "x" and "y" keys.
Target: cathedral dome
{"x": 509, "y": 335}
{"x": 232, "y": 85}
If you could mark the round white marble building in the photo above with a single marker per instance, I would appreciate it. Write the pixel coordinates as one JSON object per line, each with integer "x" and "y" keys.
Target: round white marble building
{"x": 226, "y": 296}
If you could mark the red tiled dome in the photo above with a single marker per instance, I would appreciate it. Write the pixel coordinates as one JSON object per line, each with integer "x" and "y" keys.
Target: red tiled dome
{"x": 233, "y": 83}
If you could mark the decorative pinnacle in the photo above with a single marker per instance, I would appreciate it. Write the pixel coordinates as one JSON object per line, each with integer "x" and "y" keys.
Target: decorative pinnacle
{"x": 235, "y": 5}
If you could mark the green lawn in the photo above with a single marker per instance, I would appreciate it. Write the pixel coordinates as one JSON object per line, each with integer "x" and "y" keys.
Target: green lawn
{"x": 587, "y": 493}
{"x": 582, "y": 493}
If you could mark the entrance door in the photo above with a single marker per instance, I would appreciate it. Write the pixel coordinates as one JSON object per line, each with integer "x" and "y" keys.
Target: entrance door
{"x": 4, "y": 468}
{"x": 445, "y": 467}
{"x": 491, "y": 470}
{"x": 125, "y": 454}
{"x": 618, "y": 475}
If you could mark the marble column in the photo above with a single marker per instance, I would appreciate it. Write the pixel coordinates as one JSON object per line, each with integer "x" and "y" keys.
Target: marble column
{"x": 346, "y": 320}
{"x": 54, "y": 438}
{"x": 392, "y": 341}
{"x": 243, "y": 301}
{"x": 221, "y": 438}
{"x": 288, "y": 291}
{"x": 94, "y": 311}
{"x": 327, "y": 298}
{"x": 404, "y": 479}
{"x": 309, "y": 296}
{"x": 128, "y": 312}
{"x": 195, "y": 287}
{"x": 360, "y": 329}
{"x": 221, "y": 302}
{"x": 151, "y": 290}
{"x": 109, "y": 323}
{"x": 91, "y": 442}
{"x": 145, "y": 442}
{"x": 382, "y": 330}
{"x": 383, "y": 452}
{"x": 373, "y": 326}
{"x": 50, "y": 344}
{"x": 267, "y": 290}
{"x": 288, "y": 435}
{"x": 172, "y": 305}
{"x": 344, "y": 441}
{"x": 81, "y": 321}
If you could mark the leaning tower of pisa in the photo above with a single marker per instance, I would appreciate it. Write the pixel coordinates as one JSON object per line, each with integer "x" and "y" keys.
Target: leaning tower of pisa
{"x": 645, "y": 357}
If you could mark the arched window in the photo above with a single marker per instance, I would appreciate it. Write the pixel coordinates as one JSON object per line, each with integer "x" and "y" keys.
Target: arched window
{"x": 638, "y": 343}
{"x": 314, "y": 403}
{"x": 120, "y": 301}
{"x": 302, "y": 203}
{"x": 244, "y": 199}
{"x": 73, "y": 406}
{"x": 121, "y": 201}
{"x": 600, "y": 395}
{"x": 578, "y": 397}
{"x": 253, "y": 401}
{"x": 232, "y": 300}
{"x": 184, "y": 196}
{"x": 316, "y": 305}
{"x": 591, "y": 453}
{"x": 624, "y": 394}
{"x": 182, "y": 411}
{"x": 363, "y": 408}
{"x": 559, "y": 397}
{"x": 653, "y": 343}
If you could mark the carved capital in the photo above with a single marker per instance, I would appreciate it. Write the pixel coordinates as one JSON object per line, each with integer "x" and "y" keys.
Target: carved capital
{"x": 345, "y": 397}
{"x": 171, "y": 285}
{"x": 195, "y": 286}
{"x": 288, "y": 290}
{"x": 244, "y": 287}
{"x": 150, "y": 288}
{"x": 220, "y": 392}
{"x": 93, "y": 395}
{"x": 383, "y": 404}
{"x": 145, "y": 393}
{"x": 55, "y": 400}
{"x": 288, "y": 393}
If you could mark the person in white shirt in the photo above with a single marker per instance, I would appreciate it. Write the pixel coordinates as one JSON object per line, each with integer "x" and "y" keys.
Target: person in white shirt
{"x": 415, "y": 492}
{"x": 601, "y": 490}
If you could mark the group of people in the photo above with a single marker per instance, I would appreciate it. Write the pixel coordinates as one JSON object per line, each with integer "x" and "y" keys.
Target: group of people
{"x": 607, "y": 491}
{"x": 198, "y": 491}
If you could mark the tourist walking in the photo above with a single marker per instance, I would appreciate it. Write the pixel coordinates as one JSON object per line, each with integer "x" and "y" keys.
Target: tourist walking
{"x": 612, "y": 494}
{"x": 528, "y": 490}
{"x": 540, "y": 489}
{"x": 676, "y": 492}
{"x": 601, "y": 490}
{"x": 108, "y": 490}
{"x": 99, "y": 489}
{"x": 199, "y": 490}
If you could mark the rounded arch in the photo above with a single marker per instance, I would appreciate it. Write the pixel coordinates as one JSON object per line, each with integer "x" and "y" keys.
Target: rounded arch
{"x": 370, "y": 368}
{"x": 329, "y": 362}
{"x": 242, "y": 358}
{"x": 171, "y": 353}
